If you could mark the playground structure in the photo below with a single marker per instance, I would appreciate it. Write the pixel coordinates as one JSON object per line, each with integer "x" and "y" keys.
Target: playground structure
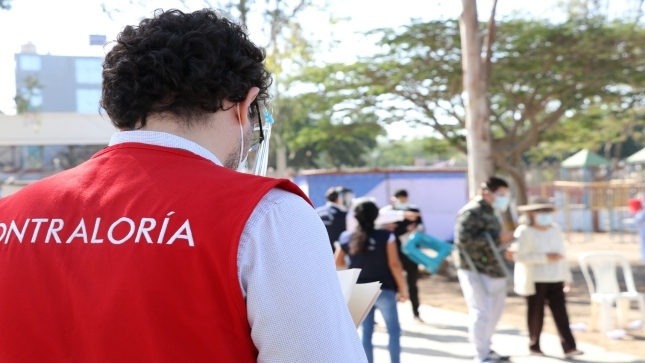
{"x": 592, "y": 203}
{"x": 590, "y": 207}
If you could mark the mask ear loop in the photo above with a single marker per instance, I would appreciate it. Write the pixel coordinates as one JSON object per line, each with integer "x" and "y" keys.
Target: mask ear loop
{"x": 239, "y": 117}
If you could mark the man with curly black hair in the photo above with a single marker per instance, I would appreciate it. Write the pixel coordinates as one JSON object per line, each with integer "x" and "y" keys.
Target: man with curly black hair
{"x": 157, "y": 249}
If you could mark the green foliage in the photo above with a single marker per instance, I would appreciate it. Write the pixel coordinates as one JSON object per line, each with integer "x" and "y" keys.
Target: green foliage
{"x": 392, "y": 153}
{"x": 318, "y": 136}
{"x": 542, "y": 75}
{"x": 632, "y": 10}
{"x": 599, "y": 128}
{"x": 25, "y": 98}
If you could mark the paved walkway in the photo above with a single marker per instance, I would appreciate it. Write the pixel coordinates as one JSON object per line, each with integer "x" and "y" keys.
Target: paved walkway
{"x": 444, "y": 339}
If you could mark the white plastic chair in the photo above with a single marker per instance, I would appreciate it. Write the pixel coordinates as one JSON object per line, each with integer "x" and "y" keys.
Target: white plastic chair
{"x": 605, "y": 290}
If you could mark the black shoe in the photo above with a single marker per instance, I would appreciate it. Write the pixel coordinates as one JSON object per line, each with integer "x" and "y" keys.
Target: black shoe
{"x": 418, "y": 319}
{"x": 498, "y": 357}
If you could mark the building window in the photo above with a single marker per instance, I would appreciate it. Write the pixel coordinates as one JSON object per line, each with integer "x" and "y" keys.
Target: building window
{"x": 88, "y": 70}
{"x": 87, "y": 100}
{"x": 29, "y": 63}
{"x": 36, "y": 100}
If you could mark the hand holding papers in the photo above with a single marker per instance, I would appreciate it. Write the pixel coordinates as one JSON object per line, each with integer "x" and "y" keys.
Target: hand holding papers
{"x": 359, "y": 297}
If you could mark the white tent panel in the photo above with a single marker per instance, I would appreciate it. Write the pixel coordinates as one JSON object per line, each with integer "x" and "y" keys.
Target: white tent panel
{"x": 42, "y": 129}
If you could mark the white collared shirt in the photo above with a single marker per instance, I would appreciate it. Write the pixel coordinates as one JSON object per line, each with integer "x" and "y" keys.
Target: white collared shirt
{"x": 294, "y": 303}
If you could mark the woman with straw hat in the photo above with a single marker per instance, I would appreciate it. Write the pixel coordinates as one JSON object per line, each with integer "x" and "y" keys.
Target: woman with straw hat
{"x": 542, "y": 273}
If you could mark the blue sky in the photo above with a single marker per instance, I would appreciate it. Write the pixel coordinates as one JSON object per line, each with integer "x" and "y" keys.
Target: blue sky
{"x": 63, "y": 27}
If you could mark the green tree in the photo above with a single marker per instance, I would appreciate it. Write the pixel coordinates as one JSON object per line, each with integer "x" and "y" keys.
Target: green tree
{"x": 319, "y": 136}
{"x": 615, "y": 130}
{"x": 29, "y": 98}
{"x": 542, "y": 74}
{"x": 586, "y": 9}
{"x": 395, "y": 153}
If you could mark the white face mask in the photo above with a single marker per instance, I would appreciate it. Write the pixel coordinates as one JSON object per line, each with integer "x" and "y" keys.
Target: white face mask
{"x": 501, "y": 202}
{"x": 346, "y": 199}
{"x": 544, "y": 219}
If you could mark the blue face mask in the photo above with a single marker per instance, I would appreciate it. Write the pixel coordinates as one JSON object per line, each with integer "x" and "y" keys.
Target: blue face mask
{"x": 501, "y": 203}
{"x": 544, "y": 219}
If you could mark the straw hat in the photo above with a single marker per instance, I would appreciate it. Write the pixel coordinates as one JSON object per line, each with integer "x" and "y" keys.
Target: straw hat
{"x": 537, "y": 203}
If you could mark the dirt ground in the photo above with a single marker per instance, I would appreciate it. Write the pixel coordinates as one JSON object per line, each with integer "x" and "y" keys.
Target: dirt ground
{"x": 444, "y": 292}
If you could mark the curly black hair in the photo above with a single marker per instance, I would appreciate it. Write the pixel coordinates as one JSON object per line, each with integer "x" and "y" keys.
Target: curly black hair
{"x": 184, "y": 64}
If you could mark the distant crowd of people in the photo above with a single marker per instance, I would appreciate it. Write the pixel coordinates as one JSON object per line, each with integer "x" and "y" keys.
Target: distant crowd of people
{"x": 371, "y": 239}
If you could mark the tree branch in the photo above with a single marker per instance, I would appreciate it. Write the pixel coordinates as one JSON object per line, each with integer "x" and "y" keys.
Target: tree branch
{"x": 537, "y": 128}
{"x": 460, "y": 120}
{"x": 443, "y": 131}
{"x": 498, "y": 121}
{"x": 299, "y": 7}
{"x": 490, "y": 39}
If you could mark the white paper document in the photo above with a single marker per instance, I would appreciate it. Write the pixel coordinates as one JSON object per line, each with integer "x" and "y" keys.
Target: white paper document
{"x": 359, "y": 297}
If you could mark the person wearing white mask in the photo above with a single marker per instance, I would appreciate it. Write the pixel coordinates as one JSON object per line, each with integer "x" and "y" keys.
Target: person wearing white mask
{"x": 542, "y": 273}
{"x": 400, "y": 202}
{"x": 485, "y": 288}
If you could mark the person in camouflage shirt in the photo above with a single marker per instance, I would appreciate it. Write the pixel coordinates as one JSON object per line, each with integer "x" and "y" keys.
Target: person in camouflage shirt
{"x": 475, "y": 219}
{"x": 485, "y": 289}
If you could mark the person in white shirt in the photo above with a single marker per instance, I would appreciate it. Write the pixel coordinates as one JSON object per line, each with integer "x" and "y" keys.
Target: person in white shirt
{"x": 195, "y": 82}
{"x": 542, "y": 273}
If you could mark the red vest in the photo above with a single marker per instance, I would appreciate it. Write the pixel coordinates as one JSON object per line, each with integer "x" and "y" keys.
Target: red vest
{"x": 130, "y": 257}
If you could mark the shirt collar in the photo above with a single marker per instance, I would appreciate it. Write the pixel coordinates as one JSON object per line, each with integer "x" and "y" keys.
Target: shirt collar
{"x": 164, "y": 139}
{"x": 482, "y": 202}
{"x": 338, "y": 206}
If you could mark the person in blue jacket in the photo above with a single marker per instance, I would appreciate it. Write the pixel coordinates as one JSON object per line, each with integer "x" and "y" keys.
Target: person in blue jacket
{"x": 375, "y": 252}
{"x": 334, "y": 212}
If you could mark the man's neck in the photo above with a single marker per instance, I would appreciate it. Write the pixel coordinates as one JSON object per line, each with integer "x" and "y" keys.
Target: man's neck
{"x": 205, "y": 133}
{"x": 488, "y": 198}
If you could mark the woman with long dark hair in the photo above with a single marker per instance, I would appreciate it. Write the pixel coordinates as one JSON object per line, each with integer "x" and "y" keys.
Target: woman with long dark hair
{"x": 374, "y": 251}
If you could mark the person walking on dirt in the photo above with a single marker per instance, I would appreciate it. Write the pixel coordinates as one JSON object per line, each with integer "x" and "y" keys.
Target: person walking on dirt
{"x": 481, "y": 276}
{"x": 400, "y": 201}
{"x": 542, "y": 273}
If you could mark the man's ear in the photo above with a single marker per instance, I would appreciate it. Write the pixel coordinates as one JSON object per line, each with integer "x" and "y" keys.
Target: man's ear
{"x": 246, "y": 104}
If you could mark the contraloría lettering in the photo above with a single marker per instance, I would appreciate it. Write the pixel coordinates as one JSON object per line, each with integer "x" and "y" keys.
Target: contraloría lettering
{"x": 84, "y": 231}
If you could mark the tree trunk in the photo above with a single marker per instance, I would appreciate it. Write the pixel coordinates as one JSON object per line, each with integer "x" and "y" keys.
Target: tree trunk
{"x": 521, "y": 189}
{"x": 478, "y": 138}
